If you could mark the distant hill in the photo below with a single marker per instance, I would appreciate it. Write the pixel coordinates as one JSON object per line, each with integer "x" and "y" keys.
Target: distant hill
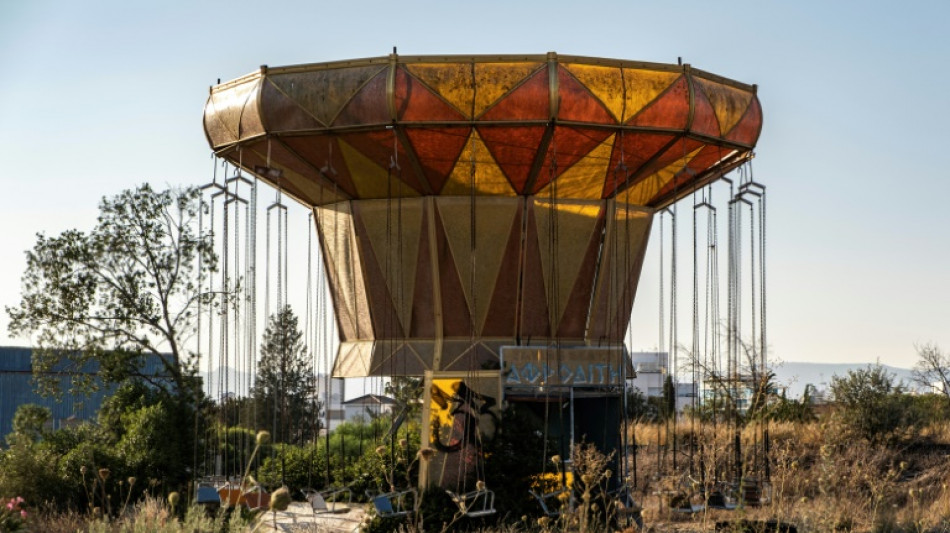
{"x": 796, "y": 375}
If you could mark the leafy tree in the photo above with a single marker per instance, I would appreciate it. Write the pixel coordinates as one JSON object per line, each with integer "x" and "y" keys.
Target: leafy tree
{"x": 872, "y": 405}
{"x": 285, "y": 384}
{"x": 30, "y": 420}
{"x": 127, "y": 289}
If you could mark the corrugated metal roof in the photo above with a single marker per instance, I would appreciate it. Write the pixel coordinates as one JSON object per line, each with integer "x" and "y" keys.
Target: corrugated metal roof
{"x": 17, "y": 388}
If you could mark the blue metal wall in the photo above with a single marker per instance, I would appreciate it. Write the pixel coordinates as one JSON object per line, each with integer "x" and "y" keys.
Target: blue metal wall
{"x": 16, "y": 389}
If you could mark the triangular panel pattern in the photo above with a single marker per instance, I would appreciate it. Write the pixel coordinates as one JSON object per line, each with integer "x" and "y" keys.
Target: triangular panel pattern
{"x": 394, "y": 230}
{"x": 495, "y": 80}
{"x": 415, "y": 101}
{"x": 489, "y": 178}
{"x": 377, "y": 147}
{"x": 572, "y": 225}
{"x": 529, "y": 101}
{"x": 669, "y": 110}
{"x": 454, "y": 82}
{"x": 584, "y": 180}
{"x": 728, "y": 103}
{"x": 493, "y": 218}
{"x": 633, "y": 150}
{"x": 324, "y": 153}
{"x": 322, "y": 94}
{"x": 502, "y": 317}
{"x": 704, "y": 116}
{"x": 568, "y": 146}
{"x": 533, "y": 320}
{"x": 514, "y": 149}
{"x": 642, "y": 192}
{"x": 578, "y": 103}
{"x": 368, "y": 106}
{"x": 437, "y": 150}
{"x": 747, "y": 130}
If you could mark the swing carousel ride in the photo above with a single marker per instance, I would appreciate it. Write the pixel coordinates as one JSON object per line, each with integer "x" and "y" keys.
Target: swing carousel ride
{"x": 483, "y": 221}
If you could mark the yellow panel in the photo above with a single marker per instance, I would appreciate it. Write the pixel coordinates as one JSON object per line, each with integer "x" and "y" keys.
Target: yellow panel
{"x": 604, "y": 82}
{"x": 585, "y": 179}
{"x": 370, "y": 179}
{"x": 728, "y": 103}
{"x": 643, "y": 86}
{"x": 453, "y": 81}
{"x": 645, "y": 190}
{"x": 575, "y": 224}
{"x": 396, "y": 250}
{"x": 493, "y": 220}
{"x": 494, "y": 80}
{"x": 489, "y": 179}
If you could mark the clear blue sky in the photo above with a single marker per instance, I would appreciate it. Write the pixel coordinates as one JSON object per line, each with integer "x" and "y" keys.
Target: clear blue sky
{"x": 99, "y": 96}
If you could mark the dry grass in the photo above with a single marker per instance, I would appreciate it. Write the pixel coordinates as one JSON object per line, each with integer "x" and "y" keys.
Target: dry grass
{"x": 821, "y": 481}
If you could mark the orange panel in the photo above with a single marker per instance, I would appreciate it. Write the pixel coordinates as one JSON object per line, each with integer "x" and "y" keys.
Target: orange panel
{"x": 749, "y": 126}
{"x": 529, "y": 101}
{"x": 634, "y": 150}
{"x": 728, "y": 103}
{"x": 568, "y": 146}
{"x": 704, "y": 116}
{"x": 437, "y": 150}
{"x": 495, "y": 80}
{"x": 514, "y": 149}
{"x": 454, "y": 82}
{"x": 577, "y": 103}
{"x": 669, "y": 110}
{"x": 415, "y": 102}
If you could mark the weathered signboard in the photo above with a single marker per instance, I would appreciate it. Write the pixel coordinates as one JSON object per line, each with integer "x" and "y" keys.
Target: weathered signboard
{"x": 526, "y": 366}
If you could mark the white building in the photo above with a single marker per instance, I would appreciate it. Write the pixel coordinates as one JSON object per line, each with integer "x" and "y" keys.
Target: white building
{"x": 367, "y": 406}
{"x": 652, "y": 369}
{"x": 332, "y": 405}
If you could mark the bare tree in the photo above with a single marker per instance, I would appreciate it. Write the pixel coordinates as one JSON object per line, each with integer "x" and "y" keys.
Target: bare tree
{"x": 933, "y": 368}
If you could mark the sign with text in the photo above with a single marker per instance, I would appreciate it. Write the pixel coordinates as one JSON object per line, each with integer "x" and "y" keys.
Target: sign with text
{"x": 526, "y": 366}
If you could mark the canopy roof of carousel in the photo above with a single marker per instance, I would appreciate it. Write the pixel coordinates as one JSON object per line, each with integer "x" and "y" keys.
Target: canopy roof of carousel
{"x": 552, "y": 125}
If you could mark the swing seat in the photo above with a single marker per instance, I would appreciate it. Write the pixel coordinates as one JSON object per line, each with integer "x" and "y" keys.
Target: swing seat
{"x": 207, "y": 495}
{"x": 256, "y": 498}
{"x": 319, "y": 505}
{"x": 230, "y": 495}
{"x": 469, "y": 506}
{"x": 543, "y": 500}
{"x": 392, "y": 504}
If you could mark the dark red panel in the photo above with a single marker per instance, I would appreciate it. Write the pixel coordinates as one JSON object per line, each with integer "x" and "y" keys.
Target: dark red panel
{"x": 382, "y": 311}
{"x": 378, "y": 146}
{"x": 324, "y": 152}
{"x": 669, "y": 110}
{"x": 747, "y": 130}
{"x": 437, "y": 150}
{"x": 423, "y": 298}
{"x": 704, "y": 117}
{"x": 528, "y": 101}
{"x": 368, "y": 106}
{"x": 502, "y": 319}
{"x": 574, "y": 320}
{"x": 535, "y": 321}
{"x": 456, "y": 316}
{"x": 415, "y": 102}
{"x": 568, "y": 146}
{"x": 282, "y": 113}
{"x": 514, "y": 149}
{"x": 638, "y": 148}
{"x": 577, "y": 103}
